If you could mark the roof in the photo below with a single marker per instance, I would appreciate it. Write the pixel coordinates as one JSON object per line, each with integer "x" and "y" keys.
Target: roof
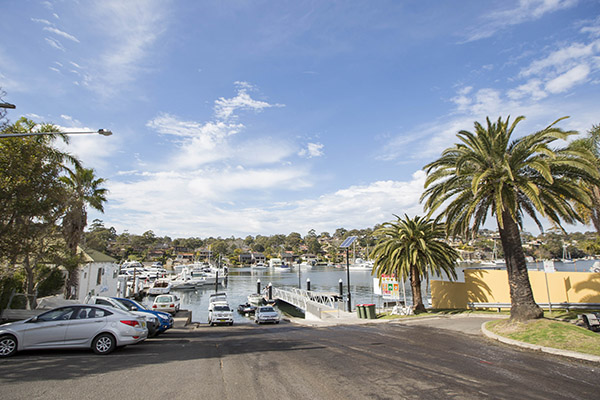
{"x": 91, "y": 255}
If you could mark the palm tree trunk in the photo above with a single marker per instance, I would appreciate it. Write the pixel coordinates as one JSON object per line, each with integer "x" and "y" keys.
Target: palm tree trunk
{"x": 523, "y": 305}
{"x": 415, "y": 286}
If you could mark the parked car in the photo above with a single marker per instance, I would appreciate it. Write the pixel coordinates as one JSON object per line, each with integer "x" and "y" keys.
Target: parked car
{"x": 169, "y": 303}
{"x": 165, "y": 319}
{"x": 79, "y": 326}
{"x": 266, "y": 314}
{"x": 151, "y": 320}
{"x": 220, "y": 313}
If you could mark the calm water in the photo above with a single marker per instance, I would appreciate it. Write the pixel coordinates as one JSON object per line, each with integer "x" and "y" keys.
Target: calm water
{"x": 242, "y": 282}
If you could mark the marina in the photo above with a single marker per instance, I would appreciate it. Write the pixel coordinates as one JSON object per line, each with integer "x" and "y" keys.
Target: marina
{"x": 241, "y": 284}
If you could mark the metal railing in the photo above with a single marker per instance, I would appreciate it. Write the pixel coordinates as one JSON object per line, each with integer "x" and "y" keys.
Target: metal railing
{"x": 311, "y": 302}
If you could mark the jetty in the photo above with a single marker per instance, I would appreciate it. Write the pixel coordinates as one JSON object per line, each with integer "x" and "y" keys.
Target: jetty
{"x": 315, "y": 305}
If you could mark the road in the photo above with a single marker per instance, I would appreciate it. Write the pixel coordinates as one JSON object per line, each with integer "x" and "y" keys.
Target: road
{"x": 287, "y": 361}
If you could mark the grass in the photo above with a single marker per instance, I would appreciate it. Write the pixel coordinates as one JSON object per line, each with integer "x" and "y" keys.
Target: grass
{"x": 549, "y": 333}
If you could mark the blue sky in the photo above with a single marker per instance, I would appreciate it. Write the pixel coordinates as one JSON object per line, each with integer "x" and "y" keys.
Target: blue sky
{"x": 264, "y": 117}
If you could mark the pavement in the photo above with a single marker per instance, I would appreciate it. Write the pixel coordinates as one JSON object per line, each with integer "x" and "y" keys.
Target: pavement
{"x": 472, "y": 324}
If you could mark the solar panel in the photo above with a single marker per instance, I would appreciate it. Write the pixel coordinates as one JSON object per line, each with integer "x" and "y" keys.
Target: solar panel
{"x": 349, "y": 240}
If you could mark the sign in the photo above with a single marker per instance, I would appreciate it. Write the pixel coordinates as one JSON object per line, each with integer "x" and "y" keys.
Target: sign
{"x": 388, "y": 287}
{"x": 549, "y": 266}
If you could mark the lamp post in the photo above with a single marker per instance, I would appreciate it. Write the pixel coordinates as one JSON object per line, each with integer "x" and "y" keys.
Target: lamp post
{"x": 102, "y": 132}
{"x": 347, "y": 243}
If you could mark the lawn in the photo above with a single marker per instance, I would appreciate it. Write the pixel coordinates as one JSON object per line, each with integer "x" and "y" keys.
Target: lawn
{"x": 549, "y": 333}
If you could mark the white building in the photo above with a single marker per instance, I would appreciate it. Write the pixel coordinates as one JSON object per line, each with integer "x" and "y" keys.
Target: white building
{"x": 98, "y": 276}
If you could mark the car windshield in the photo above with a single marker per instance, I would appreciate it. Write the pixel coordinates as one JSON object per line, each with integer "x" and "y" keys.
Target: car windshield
{"x": 222, "y": 308}
{"x": 163, "y": 299}
{"x": 267, "y": 309}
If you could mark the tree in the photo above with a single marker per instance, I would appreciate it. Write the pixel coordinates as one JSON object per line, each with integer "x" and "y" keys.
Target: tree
{"x": 32, "y": 198}
{"x": 83, "y": 190}
{"x": 591, "y": 142}
{"x": 411, "y": 248}
{"x": 488, "y": 172}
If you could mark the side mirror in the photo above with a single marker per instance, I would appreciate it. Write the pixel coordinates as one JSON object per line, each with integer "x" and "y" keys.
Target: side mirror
{"x": 33, "y": 319}
{"x": 133, "y": 308}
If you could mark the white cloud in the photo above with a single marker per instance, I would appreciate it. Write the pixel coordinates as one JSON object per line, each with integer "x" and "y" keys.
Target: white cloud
{"x": 41, "y": 21}
{"x": 127, "y": 31}
{"x": 533, "y": 89}
{"x": 181, "y": 208}
{"x": 569, "y": 79}
{"x": 55, "y": 43}
{"x": 562, "y": 59}
{"x": 312, "y": 150}
{"x": 61, "y": 33}
{"x": 526, "y": 10}
{"x": 225, "y": 108}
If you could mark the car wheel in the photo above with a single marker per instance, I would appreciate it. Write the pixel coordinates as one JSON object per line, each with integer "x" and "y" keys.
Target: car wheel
{"x": 231, "y": 323}
{"x": 276, "y": 322}
{"x": 104, "y": 344}
{"x": 8, "y": 345}
{"x": 256, "y": 321}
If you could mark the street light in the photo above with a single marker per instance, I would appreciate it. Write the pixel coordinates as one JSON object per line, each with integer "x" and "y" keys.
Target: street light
{"x": 349, "y": 240}
{"x": 103, "y": 132}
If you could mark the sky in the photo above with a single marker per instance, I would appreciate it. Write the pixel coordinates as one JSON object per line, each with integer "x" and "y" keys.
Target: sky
{"x": 236, "y": 118}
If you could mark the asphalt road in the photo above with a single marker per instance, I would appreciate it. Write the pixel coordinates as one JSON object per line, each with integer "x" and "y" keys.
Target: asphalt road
{"x": 287, "y": 361}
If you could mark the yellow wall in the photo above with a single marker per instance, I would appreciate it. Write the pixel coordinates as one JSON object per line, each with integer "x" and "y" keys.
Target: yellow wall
{"x": 491, "y": 286}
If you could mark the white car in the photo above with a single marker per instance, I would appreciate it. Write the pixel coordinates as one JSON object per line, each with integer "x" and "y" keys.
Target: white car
{"x": 220, "y": 313}
{"x": 167, "y": 303}
{"x": 78, "y": 326}
{"x": 266, "y": 314}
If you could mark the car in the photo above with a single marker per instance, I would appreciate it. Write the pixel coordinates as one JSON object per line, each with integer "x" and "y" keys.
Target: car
{"x": 152, "y": 321}
{"x": 169, "y": 303}
{"x": 99, "y": 328}
{"x": 165, "y": 319}
{"x": 220, "y": 313}
{"x": 266, "y": 314}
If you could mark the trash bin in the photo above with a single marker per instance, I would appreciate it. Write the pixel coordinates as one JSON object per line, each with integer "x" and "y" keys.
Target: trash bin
{"x": 360, "y": 311}
{"x": 369, "y": 311}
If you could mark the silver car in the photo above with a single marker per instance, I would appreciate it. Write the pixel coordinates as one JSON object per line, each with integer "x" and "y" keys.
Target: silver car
{"x": 266, "y": 314}
{"x": 79, "y": 326}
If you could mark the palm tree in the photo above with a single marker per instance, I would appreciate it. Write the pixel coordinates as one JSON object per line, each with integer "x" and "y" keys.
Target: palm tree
{"x": 489, "y": 173}
{"x": 411, "y": 248}
{"x": 591, "y": 142}
{"x": 84, "y": 189}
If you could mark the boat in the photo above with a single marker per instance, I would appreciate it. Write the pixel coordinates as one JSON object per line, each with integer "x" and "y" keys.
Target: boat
{"x": 256, "y": 299}
{"x": 160, "y": 286}
{"x": 361, "y": 265}
{"x": 259, "y": 266}
{"x": 246, "y": 309}
{"x": 184, "y": 281}
{"x": 566, "y": 255}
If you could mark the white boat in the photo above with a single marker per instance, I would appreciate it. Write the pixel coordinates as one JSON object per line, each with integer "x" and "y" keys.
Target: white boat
{"x": 259, "y": 266}
{"x": 361, "y": 265}
{"x": 185, "y": 281}
{"x": 160, "y": 286}
{"x": 255, "y": 299}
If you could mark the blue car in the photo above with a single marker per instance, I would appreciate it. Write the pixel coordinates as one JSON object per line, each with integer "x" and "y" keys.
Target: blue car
{"x": 166, "y": 320}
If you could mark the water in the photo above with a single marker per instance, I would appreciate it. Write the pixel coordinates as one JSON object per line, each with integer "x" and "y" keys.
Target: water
{"x": 242, "y": 282}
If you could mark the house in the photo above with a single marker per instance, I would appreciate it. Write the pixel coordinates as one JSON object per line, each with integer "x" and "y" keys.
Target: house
{"x": 98, "y": 275}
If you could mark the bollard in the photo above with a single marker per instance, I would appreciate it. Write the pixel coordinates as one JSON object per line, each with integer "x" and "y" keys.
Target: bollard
{"x": 308, "y": 284}
{"x": 341, "y": 289}
{"x": 258, "y": 286}
{"x": 270, "y": 291}
{"x": 217, "y": 281}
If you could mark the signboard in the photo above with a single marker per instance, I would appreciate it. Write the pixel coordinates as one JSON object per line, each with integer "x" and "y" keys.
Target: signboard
{"x": 549, "y": 266}
{"x": 388, "y": 287}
